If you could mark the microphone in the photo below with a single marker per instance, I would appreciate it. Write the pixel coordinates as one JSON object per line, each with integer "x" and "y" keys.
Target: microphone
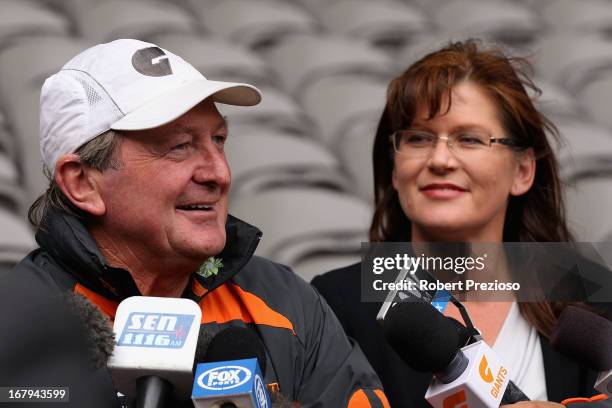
{"x": 428, "y": 341}
{"x": 586, "y": 337}
{"x": 96, "y": 327}
{"x": 230, "y": 376}
{"x": 156, "y": 342}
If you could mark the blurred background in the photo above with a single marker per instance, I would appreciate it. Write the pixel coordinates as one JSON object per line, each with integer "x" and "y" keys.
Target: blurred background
{"x": 301, "y": 160}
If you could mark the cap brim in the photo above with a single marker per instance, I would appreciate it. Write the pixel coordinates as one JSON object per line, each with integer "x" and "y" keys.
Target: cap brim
{"x": 172, "y": 104}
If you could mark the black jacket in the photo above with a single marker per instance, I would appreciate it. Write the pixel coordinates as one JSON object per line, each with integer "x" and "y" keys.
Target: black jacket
{"x": 404, "y": 386}
{"x": 308, "y": 354}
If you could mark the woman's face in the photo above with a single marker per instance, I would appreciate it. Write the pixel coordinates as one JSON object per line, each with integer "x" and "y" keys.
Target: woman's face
{"x": 452, "y": 196}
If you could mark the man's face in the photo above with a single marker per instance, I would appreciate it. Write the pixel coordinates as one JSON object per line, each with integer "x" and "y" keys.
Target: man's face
{"x": 167, "y": 203}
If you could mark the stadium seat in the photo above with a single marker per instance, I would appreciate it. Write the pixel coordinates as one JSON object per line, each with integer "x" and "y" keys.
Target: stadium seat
{"x": 339, "y": 102}
{"x": 23, "y": 69}
{"x": 389, "y": 24}
{"x": 355, "y": 152}
{"x": 315, "y": 263}
{"x": 556, "y": 101}
{"x": 509, "y": 22}
{"x": 276, "y": 110}
{"x": 301, "y": 59}
{"x": 571, "y": 60}
{"x": 264, "y": 158}
{"x": 299, "y": 221}
{"x": 256, "y": 24}
{"x": 596, "y": 97}
{"x": 8, "y": 144}
{"x": 11, "y": 194}
{"x": 140, "y": 19}
{"x": 586, "y": 150}
{"x": 218, "y": 58}
{"x": 21, "y": 18}
{"x": 585, "y": 16}
{"x": 31, "y": 61}
{"x": 16, "y": 239}
{"x": 587, "y": 203}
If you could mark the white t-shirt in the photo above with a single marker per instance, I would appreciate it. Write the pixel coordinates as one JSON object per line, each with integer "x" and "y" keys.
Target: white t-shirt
{"x": 518, "y": 345}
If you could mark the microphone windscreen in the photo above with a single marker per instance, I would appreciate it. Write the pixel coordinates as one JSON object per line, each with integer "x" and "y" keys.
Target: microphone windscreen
{"x": 236, "y": 343}
{"x": 205, "y": 336}
{"x": 97, "y": 328}
{"x": 424, "y": 338}
{"x": 585, "y": 337}
{"x": 462, "y": 331}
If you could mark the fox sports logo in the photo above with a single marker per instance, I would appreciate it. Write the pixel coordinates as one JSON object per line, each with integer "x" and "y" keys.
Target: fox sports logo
{"x": 260, "y": 393}
{"x": 224, "y": 378}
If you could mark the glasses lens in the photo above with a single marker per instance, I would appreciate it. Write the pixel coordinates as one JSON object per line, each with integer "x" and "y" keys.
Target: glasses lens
{"x": 471, "y": 139}
{"x": 465, "y": 143}
{"x": 413, "y": 143}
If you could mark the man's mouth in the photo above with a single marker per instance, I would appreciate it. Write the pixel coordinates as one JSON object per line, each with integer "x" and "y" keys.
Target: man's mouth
{"x": 195, "y": 207}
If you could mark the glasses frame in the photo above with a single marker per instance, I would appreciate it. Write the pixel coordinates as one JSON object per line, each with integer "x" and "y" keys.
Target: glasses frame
{"x": 505, "y": 141}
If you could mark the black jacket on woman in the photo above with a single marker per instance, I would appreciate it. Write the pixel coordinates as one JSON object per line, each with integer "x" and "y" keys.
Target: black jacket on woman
{"x": 404, "y": 386}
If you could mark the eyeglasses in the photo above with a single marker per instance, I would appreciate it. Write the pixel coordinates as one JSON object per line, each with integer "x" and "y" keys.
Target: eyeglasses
{"x": 464, "y": 143}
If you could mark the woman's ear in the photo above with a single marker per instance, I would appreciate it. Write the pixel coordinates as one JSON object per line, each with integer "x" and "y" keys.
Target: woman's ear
{"x": 78, "y": 183}
{"x": 524, "y": 173}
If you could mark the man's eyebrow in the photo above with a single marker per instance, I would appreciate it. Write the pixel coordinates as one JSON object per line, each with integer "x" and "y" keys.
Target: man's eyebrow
{"x": 190, "y": 130}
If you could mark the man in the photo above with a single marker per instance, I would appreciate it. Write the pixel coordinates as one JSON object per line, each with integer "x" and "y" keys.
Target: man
{"x": 137, "y": 205}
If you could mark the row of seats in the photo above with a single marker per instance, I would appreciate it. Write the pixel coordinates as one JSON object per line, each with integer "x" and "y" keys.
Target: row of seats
{"x": 301, "y": 160}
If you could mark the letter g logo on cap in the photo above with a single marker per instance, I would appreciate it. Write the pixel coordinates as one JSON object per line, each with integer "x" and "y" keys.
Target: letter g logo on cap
{"x": 151, "y": 61}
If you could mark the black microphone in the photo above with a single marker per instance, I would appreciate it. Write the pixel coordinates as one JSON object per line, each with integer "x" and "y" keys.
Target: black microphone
{"x": 227, "y": 346}
{"x": 96, "y": 326}
{"x": 236, "y": 343}
{"x": 430, "y": 342}
{"x": 587, "y": 338}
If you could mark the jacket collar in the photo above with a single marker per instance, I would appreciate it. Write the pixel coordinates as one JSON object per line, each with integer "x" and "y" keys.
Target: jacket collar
{"x": 68, "y": 242}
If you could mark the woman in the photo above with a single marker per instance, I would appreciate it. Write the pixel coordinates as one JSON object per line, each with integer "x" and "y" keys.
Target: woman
{"x": 461, "y": 155}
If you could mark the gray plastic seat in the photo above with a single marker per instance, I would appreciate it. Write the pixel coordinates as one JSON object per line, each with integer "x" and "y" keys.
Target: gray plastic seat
{"x": 297, "y": 222}
{"x": 571, "y": 60}
{"x": 140, "y": 19}
{"x": 23, "y": 69}
{"x": 555, "y": 100}
{"x": 509, "y": 22}
{"x": 11, "y": 194}
{"x": 218, "y": 58}
{"x": 16, "y": 239}
{"x": 596, "y": 97}
{"x": 276, "y": 110}
{"x": 587, "y": 150}
{"x": 338, "y": 102}
{"x": 302, "y": 59}
{"x": 355, "y": 151}
{"x": 26, "y": 18}
{"x": 256, "y": 24}
{"x": 390, "y": 23}
{"x": 8, "y": 144}
{"x": 31, "y": 61}
{"x": 582, "y": 16}
{"x": 264, "y": 158}
{"x": 588, "y": 204}
{"x": 316, "y": 263}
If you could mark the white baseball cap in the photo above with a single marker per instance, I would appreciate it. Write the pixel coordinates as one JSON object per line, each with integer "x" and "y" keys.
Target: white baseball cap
{"x": 123, "y": 85}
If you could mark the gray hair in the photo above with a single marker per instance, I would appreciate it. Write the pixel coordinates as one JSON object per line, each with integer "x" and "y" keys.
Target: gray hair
{"x": 99, "y": 153}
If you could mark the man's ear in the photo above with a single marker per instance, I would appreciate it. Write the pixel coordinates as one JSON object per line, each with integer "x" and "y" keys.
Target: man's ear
{"x": 78, "y": 183}
{"x": 524, "y": 174}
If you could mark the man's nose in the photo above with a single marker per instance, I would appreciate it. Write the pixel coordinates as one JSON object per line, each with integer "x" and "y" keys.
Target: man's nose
{"x": 212, "y": 167}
